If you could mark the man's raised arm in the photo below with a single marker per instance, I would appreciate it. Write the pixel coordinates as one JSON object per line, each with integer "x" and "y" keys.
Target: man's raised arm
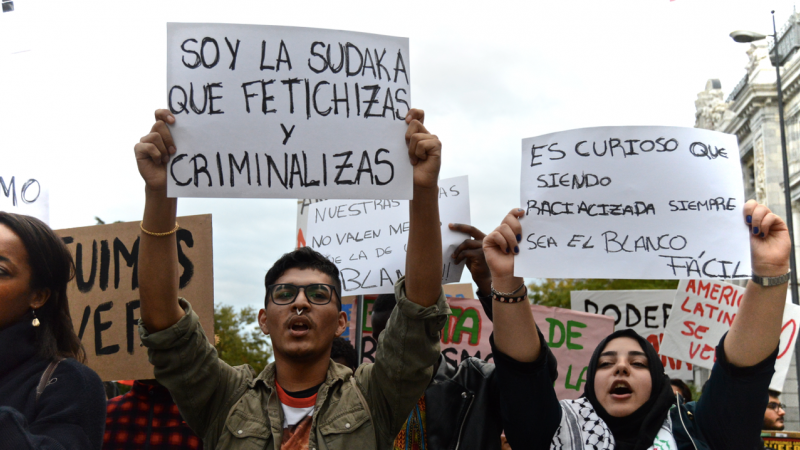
{"x": 424, "y": 257}
{"x": 158, "y": 255}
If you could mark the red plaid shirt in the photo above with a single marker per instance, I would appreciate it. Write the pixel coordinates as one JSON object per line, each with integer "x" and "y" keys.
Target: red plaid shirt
{"x": 147, "y": 418}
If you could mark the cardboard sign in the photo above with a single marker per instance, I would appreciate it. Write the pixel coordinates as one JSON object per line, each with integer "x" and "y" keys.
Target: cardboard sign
{"x": 703, "y": 312}
{"x": 571, "y": 335}
{"x": 633, "y": 202}
{"x": 367, "y": 239}
{"x": 287, "y": 112}
{"x": 643, "y": 311}
{"x": 104, "y": 296}
{"x": 22, "y": 193}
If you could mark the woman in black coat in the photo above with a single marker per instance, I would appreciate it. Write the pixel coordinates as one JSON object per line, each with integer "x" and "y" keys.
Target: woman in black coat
{"x": 48, "y": 398}
{"x": 628, "y": 403}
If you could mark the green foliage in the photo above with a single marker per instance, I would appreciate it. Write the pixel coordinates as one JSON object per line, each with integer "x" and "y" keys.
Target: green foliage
{"x": 555, "y": 291}
{"x": 239, "y": 340}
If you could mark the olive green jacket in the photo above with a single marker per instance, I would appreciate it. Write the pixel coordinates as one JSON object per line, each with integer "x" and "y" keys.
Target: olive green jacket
{"x": 232, "y": 408}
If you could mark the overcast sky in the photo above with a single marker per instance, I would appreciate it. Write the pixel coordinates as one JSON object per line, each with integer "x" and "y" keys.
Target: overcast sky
{"x": 487, "y": 74}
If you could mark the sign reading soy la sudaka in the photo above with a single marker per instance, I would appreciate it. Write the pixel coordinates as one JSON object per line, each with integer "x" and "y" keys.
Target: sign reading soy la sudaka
{"x": 104, "y": 296}
{"x": 633, "y": 202}
{"x": 287, "y": 112}
{"x": 704, "y": 310}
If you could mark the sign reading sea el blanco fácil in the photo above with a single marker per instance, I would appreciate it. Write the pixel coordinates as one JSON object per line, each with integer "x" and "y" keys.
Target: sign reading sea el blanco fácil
{"x": 633, "y": 202}
{"x": 287, "y": 112}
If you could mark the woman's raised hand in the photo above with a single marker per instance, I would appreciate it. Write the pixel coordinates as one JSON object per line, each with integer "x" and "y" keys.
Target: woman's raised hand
{"x": 500, "y": 248}
{"x": 769, "y": 240}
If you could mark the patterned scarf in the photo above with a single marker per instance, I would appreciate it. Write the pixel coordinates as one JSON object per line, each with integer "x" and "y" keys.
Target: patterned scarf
{"x": 582, "y": 429}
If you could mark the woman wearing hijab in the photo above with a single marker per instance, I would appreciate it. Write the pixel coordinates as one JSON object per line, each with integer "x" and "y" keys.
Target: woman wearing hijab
{"x": 628, "y": 403}
{"x": 48, "y": 398}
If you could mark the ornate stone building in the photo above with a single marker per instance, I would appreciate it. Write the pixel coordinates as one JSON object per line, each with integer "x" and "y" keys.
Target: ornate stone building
{"x": 750, "y": 112}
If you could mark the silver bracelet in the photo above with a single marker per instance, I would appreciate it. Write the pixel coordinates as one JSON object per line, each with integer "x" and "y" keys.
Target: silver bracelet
{"x": 506, "y": 294}
{"x": 771, "y": 281}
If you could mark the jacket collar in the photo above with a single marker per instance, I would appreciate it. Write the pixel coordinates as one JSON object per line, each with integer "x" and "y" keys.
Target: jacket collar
{"x": 150, "y": 392}
{"x": 445, "y": 372}
{"x": 336, "y": 372}
{"x": 17, "y": 344}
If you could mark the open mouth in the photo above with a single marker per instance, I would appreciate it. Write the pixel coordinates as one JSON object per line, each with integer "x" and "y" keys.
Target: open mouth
{"x": 299, "y": 326}
{"x": 620, "y": 390}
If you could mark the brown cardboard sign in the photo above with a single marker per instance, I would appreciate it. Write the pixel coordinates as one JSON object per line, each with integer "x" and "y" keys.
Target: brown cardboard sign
{"x": 104, "y": 296}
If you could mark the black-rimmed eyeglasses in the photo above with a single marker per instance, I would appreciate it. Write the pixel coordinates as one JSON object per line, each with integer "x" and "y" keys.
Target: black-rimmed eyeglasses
{"x": 775, "y": 406}
{"x": 286, "y": 294}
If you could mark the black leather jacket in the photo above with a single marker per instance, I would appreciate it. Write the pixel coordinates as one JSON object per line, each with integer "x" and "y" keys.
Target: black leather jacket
{"x": 462, "y": 407}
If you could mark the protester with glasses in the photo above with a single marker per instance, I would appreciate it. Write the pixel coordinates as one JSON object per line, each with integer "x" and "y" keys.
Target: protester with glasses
{"x": 303, "y": 399}
{"x": 628, "y": 403}
{"x": 773, "y": 416}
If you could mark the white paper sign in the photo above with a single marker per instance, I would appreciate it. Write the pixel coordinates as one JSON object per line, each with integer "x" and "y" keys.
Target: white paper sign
{"x": 15, "y": 27}
{"x": 633, "y": 202}
{"x": 21, "y": 193}
{"x": 643, "y": 311}
{"x": 286, "y": 112}
{"x": 367, "y": 239}
{"x": 703, "y": 312}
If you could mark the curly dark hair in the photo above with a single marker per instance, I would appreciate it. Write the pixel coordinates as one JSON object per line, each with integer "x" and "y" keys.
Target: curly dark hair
{"x": 52, "y": 268}
{"x": 343, "y": 349}
{"x": 303, "y": 258}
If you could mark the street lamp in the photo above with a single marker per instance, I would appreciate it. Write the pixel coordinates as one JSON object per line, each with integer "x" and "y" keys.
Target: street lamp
{"x": 750, "y": 36}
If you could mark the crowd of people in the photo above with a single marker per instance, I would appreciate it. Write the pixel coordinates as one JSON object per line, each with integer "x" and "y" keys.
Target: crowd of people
{"x": 316, "y": 395}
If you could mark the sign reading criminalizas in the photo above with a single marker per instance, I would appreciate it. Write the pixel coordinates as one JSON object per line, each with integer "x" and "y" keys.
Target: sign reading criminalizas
{"x": 633, "y": 202}
{"x": 287, "y": 112}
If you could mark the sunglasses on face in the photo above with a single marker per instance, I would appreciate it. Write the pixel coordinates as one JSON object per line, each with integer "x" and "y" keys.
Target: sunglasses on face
{"x": 317, "y": 293}
{"x": 776, "y": 406}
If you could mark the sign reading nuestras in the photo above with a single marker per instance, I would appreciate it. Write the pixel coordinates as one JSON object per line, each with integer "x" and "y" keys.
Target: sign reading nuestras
{"x": 571, "y": 335}
{"x": 643, "y": 311}
{"x": 104, "y": 296}
{"x": 367, "y": 239}
{"x": 24, "y": 194}
{"x": 287, "y": 112}
{"x": 633, "y": 202}
{"x": 703, "y": 311}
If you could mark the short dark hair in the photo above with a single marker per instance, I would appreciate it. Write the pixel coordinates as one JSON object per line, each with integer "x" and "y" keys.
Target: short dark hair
{"x": 343, "y": 349}
{"x": 384, "y": 303}
{"x": 52, "y": 268}
{"x": 684, "y": 388}
{"x": 303, "y": 258}
{"x": 775, "y": 394}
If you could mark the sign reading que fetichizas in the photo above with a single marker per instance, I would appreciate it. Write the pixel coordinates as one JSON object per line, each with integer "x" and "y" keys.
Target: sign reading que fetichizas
{"x": 287, "y": 112}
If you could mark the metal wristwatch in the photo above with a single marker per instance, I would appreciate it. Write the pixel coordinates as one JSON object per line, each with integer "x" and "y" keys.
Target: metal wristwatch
{"x": 772, "y": 281}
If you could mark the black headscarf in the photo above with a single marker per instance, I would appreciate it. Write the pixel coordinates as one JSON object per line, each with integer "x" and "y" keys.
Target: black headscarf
{"x": 638, "y": 430}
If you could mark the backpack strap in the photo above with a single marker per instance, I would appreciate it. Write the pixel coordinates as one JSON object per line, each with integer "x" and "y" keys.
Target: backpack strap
{"x": 365, "y": 405}
{"x": 44, "y": 381}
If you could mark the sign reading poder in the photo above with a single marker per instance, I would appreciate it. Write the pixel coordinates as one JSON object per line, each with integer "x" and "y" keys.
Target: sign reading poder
{"x": 270, "y": 111}
{"x": 633, "y": 202}
{"x": 643, "y": 311}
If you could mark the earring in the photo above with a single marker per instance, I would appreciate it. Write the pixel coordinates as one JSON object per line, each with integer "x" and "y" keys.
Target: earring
{"x": 35, "y": 322}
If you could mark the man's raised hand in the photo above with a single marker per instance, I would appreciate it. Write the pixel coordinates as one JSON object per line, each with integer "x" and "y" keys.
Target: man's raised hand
{"x": 153, "y": 152}
{"x": 471, "y": 250}
{"x": 424, "y": 150}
